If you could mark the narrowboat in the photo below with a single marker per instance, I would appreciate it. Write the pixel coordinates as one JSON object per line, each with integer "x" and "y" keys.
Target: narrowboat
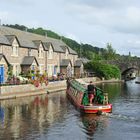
{"x": 78, "y": 94}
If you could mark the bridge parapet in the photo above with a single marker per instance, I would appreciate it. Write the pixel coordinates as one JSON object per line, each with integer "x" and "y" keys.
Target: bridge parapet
{"x": 124, "y": 65}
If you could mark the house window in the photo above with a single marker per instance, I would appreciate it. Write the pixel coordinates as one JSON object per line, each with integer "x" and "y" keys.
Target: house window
{"x": 15, "y": 50}
{"x": 15, "y": 47}
{"x": 50, "y": 56}
{"x": 33, "y": 67}
{"x": 40, "y": 52}
{"x": 50, "y": 70}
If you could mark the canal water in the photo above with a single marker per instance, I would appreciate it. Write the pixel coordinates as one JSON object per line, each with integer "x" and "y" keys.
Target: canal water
{"x": 53, "y": 117}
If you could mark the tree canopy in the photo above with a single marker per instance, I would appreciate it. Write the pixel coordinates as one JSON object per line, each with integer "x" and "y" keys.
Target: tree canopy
{"x": 110, "y": 53}
{"x": 103, "y": 70}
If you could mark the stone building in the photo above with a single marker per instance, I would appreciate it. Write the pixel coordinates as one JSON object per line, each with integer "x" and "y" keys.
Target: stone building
{"x": 78, "y": 69}
{"x": 26, "y": 51}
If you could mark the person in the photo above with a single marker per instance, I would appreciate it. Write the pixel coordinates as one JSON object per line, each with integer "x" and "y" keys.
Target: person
{"x": 91, "y": 92}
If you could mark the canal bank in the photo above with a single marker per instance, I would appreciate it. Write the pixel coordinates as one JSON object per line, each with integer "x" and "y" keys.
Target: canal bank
{"x": 17, "y": 91}
{"x": 53, "y": 117}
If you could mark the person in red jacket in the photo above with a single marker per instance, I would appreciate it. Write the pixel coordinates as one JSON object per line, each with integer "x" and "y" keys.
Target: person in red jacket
{"x": 91, "y": 92}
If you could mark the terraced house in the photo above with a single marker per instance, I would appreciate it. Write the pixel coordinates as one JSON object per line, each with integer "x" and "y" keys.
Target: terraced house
{"x": 26, "y": 51}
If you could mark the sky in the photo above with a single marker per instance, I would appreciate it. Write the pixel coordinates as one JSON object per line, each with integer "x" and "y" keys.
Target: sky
{"x": 96, "y": 22}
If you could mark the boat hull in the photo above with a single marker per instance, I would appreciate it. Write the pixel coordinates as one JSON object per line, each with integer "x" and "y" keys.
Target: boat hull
{"x": 137, "y": 82}
{"x": 75, "y": 97}
{"x": 97, "y": 108}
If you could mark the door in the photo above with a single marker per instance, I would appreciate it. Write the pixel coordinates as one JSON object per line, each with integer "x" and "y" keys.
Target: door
{"x": 55, "y": 70}
{"x": 33, "y": 72}
{"x": 1, "y": 74}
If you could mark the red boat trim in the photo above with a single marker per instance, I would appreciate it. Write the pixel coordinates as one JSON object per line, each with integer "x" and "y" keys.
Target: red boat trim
{"x": 76, "y": 97}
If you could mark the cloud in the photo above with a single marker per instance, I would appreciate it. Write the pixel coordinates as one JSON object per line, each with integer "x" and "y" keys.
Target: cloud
{"x": 115, "y": 15}
{"x": 92, "y": 21}
{"x": 18, "y": 2}
{"x": 3, "y": 14}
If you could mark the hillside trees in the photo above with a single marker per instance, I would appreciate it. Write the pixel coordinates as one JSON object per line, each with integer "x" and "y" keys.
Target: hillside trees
{"x": 83, "y": 50}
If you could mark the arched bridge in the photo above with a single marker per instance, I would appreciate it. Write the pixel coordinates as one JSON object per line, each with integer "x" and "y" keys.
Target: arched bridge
{"x": 129, "y": 68}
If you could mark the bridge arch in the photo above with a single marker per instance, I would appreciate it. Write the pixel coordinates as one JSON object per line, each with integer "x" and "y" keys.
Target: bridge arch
{"x": 127, "y": 67}
{"x": 129, "y": 73}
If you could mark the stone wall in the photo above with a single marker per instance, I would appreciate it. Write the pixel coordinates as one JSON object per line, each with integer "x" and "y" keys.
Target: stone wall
{"x": 56, "y": 84}
{"x": 13, "y": 89}
{"x": 28, "y": 88}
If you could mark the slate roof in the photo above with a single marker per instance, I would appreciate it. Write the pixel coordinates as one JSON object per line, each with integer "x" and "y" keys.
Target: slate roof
{"x": 72, "y": 51}
{"x": 84, "y": 60}
{"x": 64, "y": 47}
{"x": 78, "y": 63}
{"x": 36, "y": 43}
{"x": 31, "y": 40}
{"x": 46, "y": 45}
{"x": 28, "y": 60}
{"x": 56, "y": 44}
{"x": 3, "y": 56}
{"x": 4, "y": 40}
{"x": 10, "y": 38}
{"x": 65, "y": 62}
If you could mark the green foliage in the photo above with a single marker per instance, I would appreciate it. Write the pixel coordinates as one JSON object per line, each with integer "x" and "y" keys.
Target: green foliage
{"x": 10, "y": 71}
{"x": 109, "y": 53}
{"x": 29, "y": 74}
{"x": 104, "y": 70}
{"x": 39, "y": 31}
{"x": 16, "y": 26}
{"x": 38, "y": 73}
{"x": 53, "y": 34}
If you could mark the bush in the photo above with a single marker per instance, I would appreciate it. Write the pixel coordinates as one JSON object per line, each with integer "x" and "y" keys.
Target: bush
{"x": 104, "y": 70}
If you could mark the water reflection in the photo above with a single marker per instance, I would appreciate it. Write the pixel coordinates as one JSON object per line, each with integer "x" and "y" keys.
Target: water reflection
{"x": 113, "y": 90}
{"x": 90, "y": 124}
{"x": 54, "y": 117}
{"x": 26, "y": 117}
{"x": 93, "y": 123}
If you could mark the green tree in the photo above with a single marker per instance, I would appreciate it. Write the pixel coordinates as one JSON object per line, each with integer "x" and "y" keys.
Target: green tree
{"x": 109, "y": 53}
{"x": 103, "y": 70}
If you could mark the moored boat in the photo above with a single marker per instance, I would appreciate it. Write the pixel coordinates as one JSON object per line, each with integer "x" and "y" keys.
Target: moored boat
{"x": 78, "y": 94}
{"x": 137, "y": 82}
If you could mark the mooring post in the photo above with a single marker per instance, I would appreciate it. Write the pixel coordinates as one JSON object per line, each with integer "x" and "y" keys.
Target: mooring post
{"x": 105, "y": 101}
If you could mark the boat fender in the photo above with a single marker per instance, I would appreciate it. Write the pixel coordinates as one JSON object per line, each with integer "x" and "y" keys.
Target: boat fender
{"x": 99, "y": 112}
